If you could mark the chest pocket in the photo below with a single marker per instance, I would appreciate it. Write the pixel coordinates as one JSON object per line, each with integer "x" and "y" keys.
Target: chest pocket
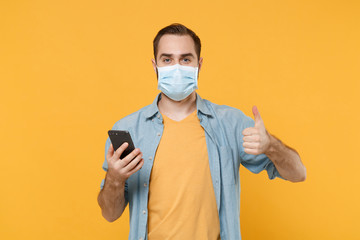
{"x": 227, "y": 165}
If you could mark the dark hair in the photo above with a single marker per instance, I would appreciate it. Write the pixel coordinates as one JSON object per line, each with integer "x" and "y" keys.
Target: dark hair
{"x": 177, "y": 29}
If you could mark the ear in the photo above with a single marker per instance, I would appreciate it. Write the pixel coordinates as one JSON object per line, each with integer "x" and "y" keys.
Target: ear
{"x": 200, "y": 63}
{"x": 154, "y": 64}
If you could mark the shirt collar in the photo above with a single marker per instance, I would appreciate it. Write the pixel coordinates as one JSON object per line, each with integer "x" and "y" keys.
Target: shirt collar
{"x": 200, "y": 105}
{"x": 153, "y": 108}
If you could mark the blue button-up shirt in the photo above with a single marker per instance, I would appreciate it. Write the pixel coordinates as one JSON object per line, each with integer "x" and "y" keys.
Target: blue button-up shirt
{"x": 223, "y": 127}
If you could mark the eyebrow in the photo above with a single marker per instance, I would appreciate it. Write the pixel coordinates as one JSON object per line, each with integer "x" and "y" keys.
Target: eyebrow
{"x": 182, "y": 55}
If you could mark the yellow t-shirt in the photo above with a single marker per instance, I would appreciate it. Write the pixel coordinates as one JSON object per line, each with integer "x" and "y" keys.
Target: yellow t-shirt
{"x": 182, "y": 202}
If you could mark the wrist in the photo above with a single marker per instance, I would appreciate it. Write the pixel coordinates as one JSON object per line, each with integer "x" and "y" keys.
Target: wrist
{"x": 272, "y": 143}
{"x": 114, "y": 182}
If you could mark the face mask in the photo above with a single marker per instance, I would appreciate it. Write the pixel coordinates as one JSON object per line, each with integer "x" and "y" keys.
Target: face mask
{"x": 177, "y": 81}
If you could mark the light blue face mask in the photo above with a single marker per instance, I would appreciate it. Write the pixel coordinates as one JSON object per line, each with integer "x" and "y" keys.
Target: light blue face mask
{"x": 177, "y": 81}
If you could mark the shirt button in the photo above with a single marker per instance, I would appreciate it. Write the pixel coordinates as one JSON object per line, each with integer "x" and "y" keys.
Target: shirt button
{"x": 158, "y": 116}
{"x": 141, "y": 238}
{"x": 145, "y": 184}
{"x": 158, "y": 134}
{"x": 150, "y": 158}
{"x": 152, "y": 119}
{"x": 144, "y": 212}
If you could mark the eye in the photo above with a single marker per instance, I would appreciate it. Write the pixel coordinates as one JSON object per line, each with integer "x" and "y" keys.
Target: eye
{"x": 187, "y": 60}
{"x": 166, "y": 60}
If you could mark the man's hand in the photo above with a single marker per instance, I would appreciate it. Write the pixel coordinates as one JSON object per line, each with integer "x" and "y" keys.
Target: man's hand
{"x": 121, "y": 169}
{"x": 256, "y": 139}
{"x": 111, "y": 198}
{"x": 286, "y": 160}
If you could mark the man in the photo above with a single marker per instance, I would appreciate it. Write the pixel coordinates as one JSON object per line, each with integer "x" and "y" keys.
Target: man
{"x": 182, "y": 182}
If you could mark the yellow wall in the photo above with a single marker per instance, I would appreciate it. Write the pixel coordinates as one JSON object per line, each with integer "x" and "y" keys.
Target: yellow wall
{"x": 70, "y": 69}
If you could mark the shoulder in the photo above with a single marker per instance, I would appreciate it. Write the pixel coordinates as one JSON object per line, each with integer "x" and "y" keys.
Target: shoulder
{"x": 132, "y": 119}
{"x": 229, "y": 114}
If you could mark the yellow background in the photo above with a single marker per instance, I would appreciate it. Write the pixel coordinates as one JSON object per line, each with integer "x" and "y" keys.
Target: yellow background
{"x": 70, "y": 69}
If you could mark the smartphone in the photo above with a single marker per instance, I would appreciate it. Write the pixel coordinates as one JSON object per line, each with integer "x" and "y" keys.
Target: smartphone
{"x": 118, "y": 137}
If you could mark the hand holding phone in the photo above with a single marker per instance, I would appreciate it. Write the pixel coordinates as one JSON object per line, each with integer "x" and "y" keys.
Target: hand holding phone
{"x": 123, "y": 159}
{"x": 118, "y": 137}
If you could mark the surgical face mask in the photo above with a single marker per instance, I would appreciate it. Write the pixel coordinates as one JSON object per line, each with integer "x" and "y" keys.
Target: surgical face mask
{"x": 177, "y": 81}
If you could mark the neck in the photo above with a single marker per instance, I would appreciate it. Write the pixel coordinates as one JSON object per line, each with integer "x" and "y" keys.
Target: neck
{"x": 177, "y": 110}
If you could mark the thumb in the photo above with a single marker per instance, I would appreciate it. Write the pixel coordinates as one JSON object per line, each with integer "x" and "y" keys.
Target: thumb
{"x": 257, "y": 116}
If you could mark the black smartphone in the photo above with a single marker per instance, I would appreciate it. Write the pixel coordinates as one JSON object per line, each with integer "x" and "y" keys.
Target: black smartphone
{"x": 118, "y": 137}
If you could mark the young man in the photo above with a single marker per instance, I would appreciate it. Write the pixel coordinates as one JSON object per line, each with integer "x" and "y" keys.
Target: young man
{"x": 182, "y": 182}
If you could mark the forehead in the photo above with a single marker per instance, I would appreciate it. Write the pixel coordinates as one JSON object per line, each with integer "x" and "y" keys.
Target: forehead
{"x": 175, "y": 44}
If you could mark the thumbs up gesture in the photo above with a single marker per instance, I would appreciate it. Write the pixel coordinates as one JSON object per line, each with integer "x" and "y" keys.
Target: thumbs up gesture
{"x": 256, "y": 139}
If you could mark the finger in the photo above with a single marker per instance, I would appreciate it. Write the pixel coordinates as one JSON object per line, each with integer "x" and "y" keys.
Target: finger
{"x": 251, "y": 145}
{"x": 130, "y": 156}
{"x": 134, "y": 162}
{"x": 110, "y": 152}
{"x": 251, "y": 151}
{"x": 256, "y": 113}
{"x": 250, "y": 131}
{"x": 135, "y": 169}
{"x": 120, "y": 150}
{"x": 252, "y": 138}
{"x": 257, "y": 117}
